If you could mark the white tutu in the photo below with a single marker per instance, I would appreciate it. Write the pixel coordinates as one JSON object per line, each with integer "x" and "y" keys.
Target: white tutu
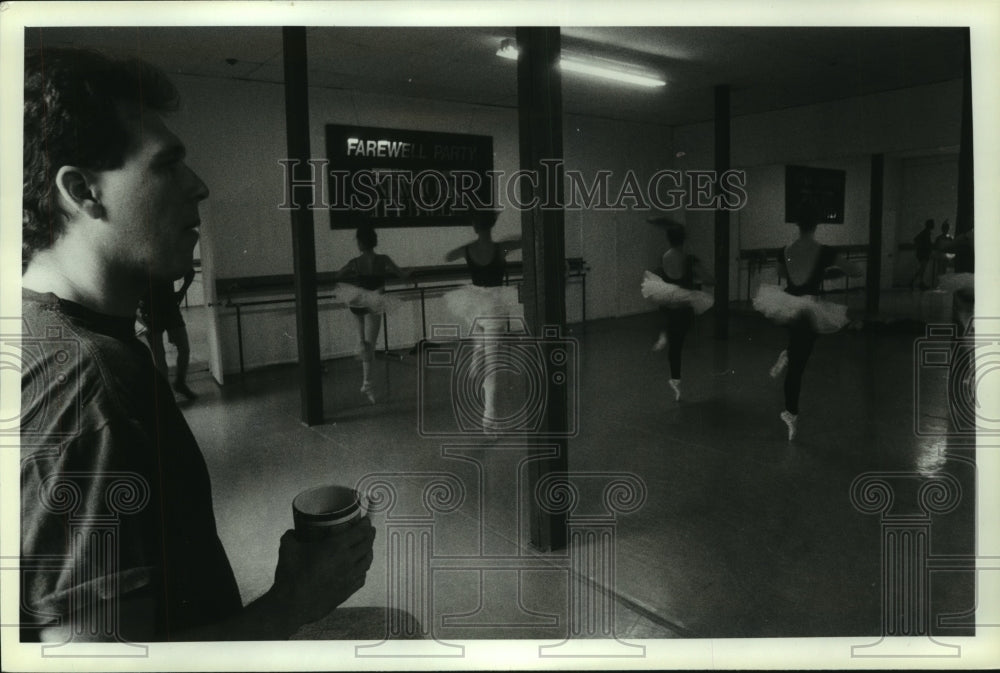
{"x": 669, "y": 295}
{"x": 783, "y": 308}
{"x": 487, "y": 305}
{"x": 957, "y": 282}
{"x": 358, "y": 297}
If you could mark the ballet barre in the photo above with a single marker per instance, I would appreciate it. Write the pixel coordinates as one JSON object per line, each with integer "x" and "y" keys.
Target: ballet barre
{"x": 248, "y": 291}
{"x": 443, "y": 277}
{"x": 759, "y": 258}
{"x": 859, "y": 251}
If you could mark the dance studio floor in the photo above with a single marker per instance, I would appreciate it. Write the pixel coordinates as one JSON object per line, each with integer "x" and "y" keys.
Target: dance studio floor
{"x": 714, "y": 524}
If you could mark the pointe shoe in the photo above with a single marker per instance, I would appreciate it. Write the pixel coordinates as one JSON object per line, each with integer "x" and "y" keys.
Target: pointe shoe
{"x": 779, "y": 365}
{"x": 791, "y": 420}
{"x": 676, "y": 385}
{"x": 368, "y": 390}
{"x": 185, "y": 391}
{"x": 661, "y": 343}
{"x": 491, "y": 427}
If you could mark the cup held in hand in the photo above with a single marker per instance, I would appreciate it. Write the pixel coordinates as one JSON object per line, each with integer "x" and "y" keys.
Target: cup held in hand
{"x": 325, "y": 510}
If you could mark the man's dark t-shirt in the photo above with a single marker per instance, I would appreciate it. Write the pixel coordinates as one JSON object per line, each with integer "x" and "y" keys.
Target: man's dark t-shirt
{"x": 115, "y": 493}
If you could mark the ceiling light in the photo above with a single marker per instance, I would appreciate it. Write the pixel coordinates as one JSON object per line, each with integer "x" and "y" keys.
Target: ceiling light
{"x": 507, "y": 50}
{"x": 588, "y": 65}
{"x": 598, "y": 69}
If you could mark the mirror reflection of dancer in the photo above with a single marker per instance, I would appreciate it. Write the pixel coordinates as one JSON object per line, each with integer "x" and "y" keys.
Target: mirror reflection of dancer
{"x": 160, "y": 312}
{"x": 674, "y": 291}
{"x": 942, "y": 254}
{"x": 366, "y": 299}
{"x": 802, "y": 263}
{"x": 486, "y": 304}
{"x": 962, "y": 282}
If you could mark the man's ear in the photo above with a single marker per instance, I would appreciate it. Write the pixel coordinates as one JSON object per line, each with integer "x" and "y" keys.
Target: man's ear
{"x": 77, "y": 192}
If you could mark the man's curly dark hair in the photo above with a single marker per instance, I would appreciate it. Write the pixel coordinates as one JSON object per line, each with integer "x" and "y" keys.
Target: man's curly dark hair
{"x": 70, "y": 119}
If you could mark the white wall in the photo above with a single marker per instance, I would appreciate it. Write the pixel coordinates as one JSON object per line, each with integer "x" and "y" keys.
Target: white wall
{"x": 619, "y": 244}
{"x": 892, "y": 200}
{"x": 761, "y": 224}
{"x": 235, "y": 132}
{"x": 838, "y": 134}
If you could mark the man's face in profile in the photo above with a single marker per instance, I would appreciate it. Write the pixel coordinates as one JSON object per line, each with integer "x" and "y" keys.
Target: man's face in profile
{"x": 151, "y": 201}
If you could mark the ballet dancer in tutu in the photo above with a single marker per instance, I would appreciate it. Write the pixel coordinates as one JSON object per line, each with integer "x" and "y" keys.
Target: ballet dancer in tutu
{"x": 962, "y": 282}
{"x": 487, "y": 303}
{"x": 364, "y": 293}
{"x": 802, "y": 263}
{"x": 674, "y": 292}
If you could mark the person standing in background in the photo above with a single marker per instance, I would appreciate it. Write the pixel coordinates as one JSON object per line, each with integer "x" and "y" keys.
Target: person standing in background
{"x": 962, "y": 282}
{"x": 942, "y": 254}
{"x": 160, "y": 312}
{"x": 923, "y": 246}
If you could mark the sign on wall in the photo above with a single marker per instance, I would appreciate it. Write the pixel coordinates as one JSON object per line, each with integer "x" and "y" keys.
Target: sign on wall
{"x": 398, "y": 178}
{"x": 822, "y": 189}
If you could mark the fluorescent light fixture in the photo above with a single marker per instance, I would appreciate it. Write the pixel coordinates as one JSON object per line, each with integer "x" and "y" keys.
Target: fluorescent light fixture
{"x": 575, "y": 64}
{"x": 507, "y": 50}
{"x": 598, "y": 67}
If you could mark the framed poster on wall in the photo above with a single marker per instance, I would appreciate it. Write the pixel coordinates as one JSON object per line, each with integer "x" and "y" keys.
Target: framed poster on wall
{"x": 822, "y": 189}
{"x": 400, "y": 178}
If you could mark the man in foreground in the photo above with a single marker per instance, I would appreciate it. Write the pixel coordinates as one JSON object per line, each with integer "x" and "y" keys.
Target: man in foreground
{"x": 110, "y": 207}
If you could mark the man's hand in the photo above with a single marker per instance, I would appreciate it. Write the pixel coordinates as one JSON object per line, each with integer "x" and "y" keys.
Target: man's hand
{"x": 313, "y": 578}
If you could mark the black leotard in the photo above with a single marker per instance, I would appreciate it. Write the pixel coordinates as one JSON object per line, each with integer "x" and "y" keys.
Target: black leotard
{"x": 686, "y": 280}
{"x": 813, "y": 284}
{"x": 490, "y": 274}
{"x": 370, "y": 281}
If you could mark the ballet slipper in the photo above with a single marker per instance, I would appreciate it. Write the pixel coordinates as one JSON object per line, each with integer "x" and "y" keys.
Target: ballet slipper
{"x": 779, "y": 365}
{"x": 368, "y": 390}
{"x": 791, "y": 420}
{"x": 676, "y": 385}
{"x": 182, "y": 388}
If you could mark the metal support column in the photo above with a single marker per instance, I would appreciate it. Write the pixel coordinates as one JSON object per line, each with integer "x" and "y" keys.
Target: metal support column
{"x": 303, "y": 236}
{"x": 965, "y": 216}
{"x": 539, "y": 89}
{"x": 874, "y": 272}
{"x": 722, "y": 261}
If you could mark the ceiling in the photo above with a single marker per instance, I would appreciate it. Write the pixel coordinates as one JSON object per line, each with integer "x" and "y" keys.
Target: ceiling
{"x": 766, "y": 68}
